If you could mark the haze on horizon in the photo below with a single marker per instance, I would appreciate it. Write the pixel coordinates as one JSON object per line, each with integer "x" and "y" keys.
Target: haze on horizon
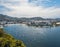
{"x": 30, "y": 8}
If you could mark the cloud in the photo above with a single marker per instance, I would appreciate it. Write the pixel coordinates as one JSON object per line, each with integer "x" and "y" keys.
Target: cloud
{"x": 24, "y": 8}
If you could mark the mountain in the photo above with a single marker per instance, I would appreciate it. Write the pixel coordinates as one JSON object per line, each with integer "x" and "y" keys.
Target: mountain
{"x": 37, "y": 18}
{"x": 33, "y": 18}
{"x": 5, "y": 17}
{"x": 23, "y": 19}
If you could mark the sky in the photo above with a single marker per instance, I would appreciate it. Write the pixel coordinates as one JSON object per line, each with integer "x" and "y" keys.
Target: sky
{"x": 30, "y": 8}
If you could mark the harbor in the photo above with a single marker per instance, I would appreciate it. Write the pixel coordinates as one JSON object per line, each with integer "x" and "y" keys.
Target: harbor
{"x": 33, "y": 23}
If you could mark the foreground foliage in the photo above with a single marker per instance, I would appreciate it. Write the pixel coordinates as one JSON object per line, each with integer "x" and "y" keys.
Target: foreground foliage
{"x": 7, "y": 40}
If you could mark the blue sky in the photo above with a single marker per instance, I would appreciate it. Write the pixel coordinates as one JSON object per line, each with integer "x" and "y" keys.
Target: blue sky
{"x": 30, "y": 8}
{"x": 47, "y": 3}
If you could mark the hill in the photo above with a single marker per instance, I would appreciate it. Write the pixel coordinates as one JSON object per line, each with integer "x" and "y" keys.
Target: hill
{"x": 8, "y": 18}
{"x": 7, "y": 40}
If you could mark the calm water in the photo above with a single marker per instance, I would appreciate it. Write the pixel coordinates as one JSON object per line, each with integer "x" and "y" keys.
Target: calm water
{"x": 35, "y": 36}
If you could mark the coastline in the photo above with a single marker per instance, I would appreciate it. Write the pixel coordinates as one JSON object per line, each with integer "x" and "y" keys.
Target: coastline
{"x": 7, "y": 40}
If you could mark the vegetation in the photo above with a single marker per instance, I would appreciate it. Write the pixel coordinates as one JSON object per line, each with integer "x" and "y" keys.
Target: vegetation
{"x": 7, "y": 40}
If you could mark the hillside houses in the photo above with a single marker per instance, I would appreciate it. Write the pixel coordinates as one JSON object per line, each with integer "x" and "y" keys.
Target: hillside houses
{"x": 41, "y": 22}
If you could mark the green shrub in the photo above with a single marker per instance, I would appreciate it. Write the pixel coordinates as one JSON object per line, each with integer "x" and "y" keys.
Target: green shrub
{"x": 7, "y": 40}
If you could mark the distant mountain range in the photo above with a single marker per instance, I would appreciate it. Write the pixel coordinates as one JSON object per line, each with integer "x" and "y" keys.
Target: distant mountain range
{"x": 5, "y": 17}
{"x": 8, "y": 18}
